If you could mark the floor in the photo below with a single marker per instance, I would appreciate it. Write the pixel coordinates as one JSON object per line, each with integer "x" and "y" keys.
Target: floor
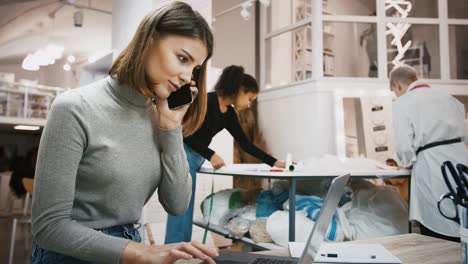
{"x": 153, "y": 214}
{"x": 22, "y": 244}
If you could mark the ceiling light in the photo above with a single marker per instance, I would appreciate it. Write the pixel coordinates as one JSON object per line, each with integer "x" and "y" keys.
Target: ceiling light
{"x": 67, "y": 67}
{"x": 41, "y": 58}
{"x": 245, "y": 14}
{"x": 398, "y": 30}
{"x": 24, "y": 127}
{"x": 78, "y": 18}
{"x": 71, "y": 59}
{"x": 54, "y": 51}
{"x": 28, "y": 63}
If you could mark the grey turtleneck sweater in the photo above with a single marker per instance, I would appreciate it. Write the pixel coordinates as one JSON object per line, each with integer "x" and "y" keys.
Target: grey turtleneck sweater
{"x": 101, "y": 157}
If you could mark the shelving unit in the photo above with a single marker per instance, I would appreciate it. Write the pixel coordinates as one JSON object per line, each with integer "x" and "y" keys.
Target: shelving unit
{"x": 302, "y": 38}
{"x": 302, "y": 43}
{"x": 25, "y": 103}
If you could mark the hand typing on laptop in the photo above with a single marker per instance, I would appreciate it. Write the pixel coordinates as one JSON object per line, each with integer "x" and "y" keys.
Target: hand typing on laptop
{"x": 169, "y": 253}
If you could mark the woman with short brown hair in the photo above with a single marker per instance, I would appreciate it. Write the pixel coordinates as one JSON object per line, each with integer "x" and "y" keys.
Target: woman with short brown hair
{"x": 107, "y": 147}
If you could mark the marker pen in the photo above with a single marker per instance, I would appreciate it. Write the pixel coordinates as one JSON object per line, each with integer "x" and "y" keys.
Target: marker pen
{"x": 335, "y": 255}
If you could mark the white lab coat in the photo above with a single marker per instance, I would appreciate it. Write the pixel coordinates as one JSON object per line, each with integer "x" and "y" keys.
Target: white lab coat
{"x": 422, "y": 116}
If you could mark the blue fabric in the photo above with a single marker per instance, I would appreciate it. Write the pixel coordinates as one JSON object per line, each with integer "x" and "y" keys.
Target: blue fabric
{"x": 179, "y": 228}
{"x": 44, "y": 256}
{"x": 268, "y": 203}
{"x": 312, "y": 205}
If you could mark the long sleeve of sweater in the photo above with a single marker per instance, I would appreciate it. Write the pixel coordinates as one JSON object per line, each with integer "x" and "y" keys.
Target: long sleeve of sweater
{"x": 100, "y": 160}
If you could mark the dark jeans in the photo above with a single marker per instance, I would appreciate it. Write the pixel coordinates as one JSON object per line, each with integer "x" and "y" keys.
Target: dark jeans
{"x": 44, "y": 256}
{"x": 427, "y": 232}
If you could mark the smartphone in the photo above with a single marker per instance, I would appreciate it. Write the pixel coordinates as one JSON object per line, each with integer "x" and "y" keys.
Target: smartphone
{"x": 183, "y": 95}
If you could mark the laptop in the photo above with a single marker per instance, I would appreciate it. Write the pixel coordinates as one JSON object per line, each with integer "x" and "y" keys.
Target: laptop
{"x": 314, "y": 241}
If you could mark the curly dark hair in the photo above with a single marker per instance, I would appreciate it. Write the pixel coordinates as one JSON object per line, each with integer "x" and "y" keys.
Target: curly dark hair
{"x": 232, "y": 80}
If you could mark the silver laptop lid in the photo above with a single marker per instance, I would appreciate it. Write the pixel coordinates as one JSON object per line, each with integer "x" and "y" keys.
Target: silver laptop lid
{"x": 323, "y": 221}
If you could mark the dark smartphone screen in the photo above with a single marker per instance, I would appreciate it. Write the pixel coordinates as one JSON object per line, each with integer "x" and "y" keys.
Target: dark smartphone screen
{"x": 183, "y": 96}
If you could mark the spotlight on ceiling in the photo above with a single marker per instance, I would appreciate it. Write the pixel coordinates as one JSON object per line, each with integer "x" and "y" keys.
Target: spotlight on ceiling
{"x": 78, "y": 18}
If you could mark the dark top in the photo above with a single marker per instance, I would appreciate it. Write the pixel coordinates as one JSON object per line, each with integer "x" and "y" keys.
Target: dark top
{"x": 215, "y": 121}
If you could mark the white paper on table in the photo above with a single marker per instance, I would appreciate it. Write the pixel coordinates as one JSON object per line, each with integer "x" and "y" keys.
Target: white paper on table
{"x": 241, "y": 167}
{"x": 347, "y": 253}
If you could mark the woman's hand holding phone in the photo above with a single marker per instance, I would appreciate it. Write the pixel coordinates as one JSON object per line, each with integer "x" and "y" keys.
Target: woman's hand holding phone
{"x": 172, "y": 118}
{"x": 172, "y": 110}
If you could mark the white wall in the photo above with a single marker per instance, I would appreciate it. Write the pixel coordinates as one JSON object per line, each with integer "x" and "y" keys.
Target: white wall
{"x": 126, "y": 18}
{"x": 298, "y": 120}
{"x": 234, "y": 37}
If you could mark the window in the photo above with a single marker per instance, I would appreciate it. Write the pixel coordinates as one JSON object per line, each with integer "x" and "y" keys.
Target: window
{"x": 413, "y": 8}
{"x": 348, "y": 39}
{"x": 419, "y": 47}
{"x": 351, "y": 48}
{"x": 288, "y": 48}
{"x": 458, "y": 47}
{"x": 293, "y": 65}
{"x": 350, "y": 7}
{"x": 457, "y": 9}
{"x": 283, "y": 13}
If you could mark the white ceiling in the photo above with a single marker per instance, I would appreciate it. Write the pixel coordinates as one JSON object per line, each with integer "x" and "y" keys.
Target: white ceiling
{"x": 26, "y": 26}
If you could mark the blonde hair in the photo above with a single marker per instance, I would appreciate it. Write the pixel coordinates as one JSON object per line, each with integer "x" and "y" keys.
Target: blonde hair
{"x": 404, "y": 74}
{"x": 173, "y": 18}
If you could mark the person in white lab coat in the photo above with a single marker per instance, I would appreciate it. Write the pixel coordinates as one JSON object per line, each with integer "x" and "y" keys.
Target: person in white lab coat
{"x": 421, "y": 116}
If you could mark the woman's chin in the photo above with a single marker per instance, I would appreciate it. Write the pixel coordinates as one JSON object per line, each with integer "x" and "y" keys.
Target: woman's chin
{"x": 163, "y": 95}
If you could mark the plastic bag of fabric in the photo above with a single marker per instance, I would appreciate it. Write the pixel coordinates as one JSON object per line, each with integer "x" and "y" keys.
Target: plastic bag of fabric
{"x": 238, "y": 221}
{"x": 238, "y": 227}
{"x": 246, "y": 212}
{"x": 375, "y": 211}
{"x": 223, "y": 202}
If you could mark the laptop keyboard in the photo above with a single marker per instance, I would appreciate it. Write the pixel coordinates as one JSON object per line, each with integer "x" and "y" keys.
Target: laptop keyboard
{"x": 271, "y": 261}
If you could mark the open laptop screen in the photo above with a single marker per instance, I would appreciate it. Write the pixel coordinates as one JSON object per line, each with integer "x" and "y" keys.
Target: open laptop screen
{"x": 319, "y": 231}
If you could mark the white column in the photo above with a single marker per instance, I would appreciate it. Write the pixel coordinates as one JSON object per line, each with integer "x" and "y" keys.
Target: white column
{"x": 444, "y": 41}
{"x": 381, "y": 41}
{"x": 317, "y": 40}
{"x": 126, "y": 16}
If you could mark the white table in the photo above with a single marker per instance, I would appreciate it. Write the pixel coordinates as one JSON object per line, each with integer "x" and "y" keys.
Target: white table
{"x": 293, "y": 176}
